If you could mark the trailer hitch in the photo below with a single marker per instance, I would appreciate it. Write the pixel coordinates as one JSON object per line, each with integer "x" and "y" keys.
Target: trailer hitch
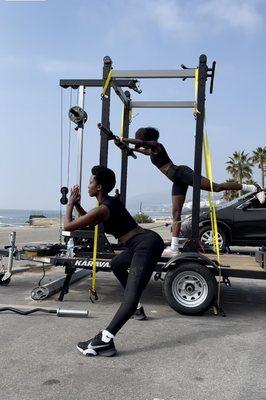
{"x": 226, "y": 281}
{"x": 158, "y": 276}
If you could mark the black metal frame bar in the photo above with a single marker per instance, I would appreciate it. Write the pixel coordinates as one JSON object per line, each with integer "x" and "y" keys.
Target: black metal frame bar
{"x": 75, "y": 83}
{"x": 122, "y": 95}
{"x": 202, "y": 78}
{"x": 117, "y": 83}
{"x": 124, "y": 157}
{"x": 203, "y": 75}
{"x": 105, "y": 120}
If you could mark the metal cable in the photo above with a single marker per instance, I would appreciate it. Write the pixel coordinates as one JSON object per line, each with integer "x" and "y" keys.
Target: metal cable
{"x": 39, "y": 284}
{"x": 69, "y": 140}
{"x": 61, "y": 163}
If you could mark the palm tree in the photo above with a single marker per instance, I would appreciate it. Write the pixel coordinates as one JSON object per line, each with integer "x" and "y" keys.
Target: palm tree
{"x": 239, "y": 166}
{"x": 259, "y": 157}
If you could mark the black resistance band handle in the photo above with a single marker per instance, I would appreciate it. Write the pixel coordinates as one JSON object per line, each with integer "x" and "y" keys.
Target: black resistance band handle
{"x": 118, "y": 143}
{"x": 64, "y": 192}
{"x": 106, "y": 131}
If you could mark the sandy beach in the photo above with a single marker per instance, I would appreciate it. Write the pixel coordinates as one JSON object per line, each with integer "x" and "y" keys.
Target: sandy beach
{"x": 51, "y": 234}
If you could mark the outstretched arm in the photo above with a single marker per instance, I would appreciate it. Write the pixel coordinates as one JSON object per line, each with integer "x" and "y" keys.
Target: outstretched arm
{"x": 142, "y": 151}
{"x": 93, "y": 217}
{"x": 154, "y": 146}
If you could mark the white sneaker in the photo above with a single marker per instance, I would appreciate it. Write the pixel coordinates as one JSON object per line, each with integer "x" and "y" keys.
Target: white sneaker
{"x": 168, "y": 252}
{"x": 261, "y": 196}
{"x": 259, "y": 193}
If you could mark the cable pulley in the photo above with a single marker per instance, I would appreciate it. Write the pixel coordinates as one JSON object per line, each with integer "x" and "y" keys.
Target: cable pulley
{"x": 78, "y": 116}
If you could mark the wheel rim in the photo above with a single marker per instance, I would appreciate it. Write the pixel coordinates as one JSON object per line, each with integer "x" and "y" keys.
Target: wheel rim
{"x": 207, "y": 239}
{"x": 189, "y": 289}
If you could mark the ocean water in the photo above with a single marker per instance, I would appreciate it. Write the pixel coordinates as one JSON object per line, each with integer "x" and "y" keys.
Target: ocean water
{"x": 21, "y": 217}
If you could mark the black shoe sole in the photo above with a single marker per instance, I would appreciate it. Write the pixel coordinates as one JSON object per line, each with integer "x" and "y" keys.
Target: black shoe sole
{"x": 140, "y": 317}
{"x": 103, "y": 353}
{"x": 139, "y": 314}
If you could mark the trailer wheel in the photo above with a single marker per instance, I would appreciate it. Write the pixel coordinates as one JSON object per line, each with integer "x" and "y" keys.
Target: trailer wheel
{"x": 5, "y": 282}
{"x": 190, "y": 288}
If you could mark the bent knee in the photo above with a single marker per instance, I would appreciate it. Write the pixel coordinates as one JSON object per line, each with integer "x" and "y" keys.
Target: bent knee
{"x": 115, "y": 266}
{"x": 176, "y": 216}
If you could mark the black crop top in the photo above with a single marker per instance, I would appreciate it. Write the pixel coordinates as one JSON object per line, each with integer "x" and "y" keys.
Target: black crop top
{"x": 161, "y": 159}
{"x": 120, "y": 221}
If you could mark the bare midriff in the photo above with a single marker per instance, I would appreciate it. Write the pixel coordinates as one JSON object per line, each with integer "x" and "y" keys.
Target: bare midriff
{"x": 129, "y": 235}
{"x": 165, "y": 168}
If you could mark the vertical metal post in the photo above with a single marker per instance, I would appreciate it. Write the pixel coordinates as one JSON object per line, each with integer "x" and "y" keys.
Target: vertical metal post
{"x": 124, "y": 157}
{"x": 81, "y": 92}
{"x": 193, "y": 245}
{"x": 12, "y": 240}
{"x": 107, "y": 65}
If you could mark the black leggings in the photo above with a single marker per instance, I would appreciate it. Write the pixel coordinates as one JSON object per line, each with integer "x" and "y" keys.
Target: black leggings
{"x": 182, "y": 177}
{"x": 141, "y": 256}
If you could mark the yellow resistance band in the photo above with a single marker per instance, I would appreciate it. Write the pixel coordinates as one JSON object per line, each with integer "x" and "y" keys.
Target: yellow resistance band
{"x": 196, "y": 111}
{"x": 107, "y": 82}
{"x": 122, "y": 126}
{"x": 122, "y": 122}
{"x": 208, "y": 167}
{"x": 130, "y": 115}
{"x": 92, "y": 290}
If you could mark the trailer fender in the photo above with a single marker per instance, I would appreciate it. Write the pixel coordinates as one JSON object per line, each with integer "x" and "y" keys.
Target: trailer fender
{"x": 191, "y": 256}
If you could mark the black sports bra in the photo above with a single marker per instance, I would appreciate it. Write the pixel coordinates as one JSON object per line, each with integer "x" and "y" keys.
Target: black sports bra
{"x": 120, "y": 221}
{"x": 160, "y": 159}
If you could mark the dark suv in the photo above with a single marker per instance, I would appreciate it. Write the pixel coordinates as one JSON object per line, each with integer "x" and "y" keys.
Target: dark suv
{"x": 241, "y": 222}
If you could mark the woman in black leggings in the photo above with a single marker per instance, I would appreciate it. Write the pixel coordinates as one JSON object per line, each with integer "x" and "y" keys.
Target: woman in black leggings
{"x": 133, "y": 267}
{"x": 146, "y": 142}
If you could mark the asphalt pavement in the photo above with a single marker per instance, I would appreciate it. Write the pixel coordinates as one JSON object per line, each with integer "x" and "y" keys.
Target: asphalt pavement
{"x": 168, "y": 356}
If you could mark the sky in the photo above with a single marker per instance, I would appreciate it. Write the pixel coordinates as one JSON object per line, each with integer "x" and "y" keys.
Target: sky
{"x": 45, "y": 41}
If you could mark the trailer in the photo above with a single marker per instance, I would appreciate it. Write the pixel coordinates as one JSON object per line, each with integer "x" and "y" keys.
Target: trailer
{"x": 190, "y": 281}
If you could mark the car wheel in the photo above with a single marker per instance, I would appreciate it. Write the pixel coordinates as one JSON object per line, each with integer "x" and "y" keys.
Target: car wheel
{"x": 190, "y": 288}
{"x": 206, "y": 238}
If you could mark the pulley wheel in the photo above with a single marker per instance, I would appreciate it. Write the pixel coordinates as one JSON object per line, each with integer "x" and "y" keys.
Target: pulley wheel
{"x": 77, "y": 115}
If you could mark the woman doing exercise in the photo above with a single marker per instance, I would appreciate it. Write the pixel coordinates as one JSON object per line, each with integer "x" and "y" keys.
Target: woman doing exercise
{"x": 133, "y": 267}
{"x": 146, "y": 142}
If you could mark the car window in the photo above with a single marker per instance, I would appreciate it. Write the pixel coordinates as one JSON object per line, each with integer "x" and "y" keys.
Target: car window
{"x": 236, "y": 201}
{"x": 254, "y": 203}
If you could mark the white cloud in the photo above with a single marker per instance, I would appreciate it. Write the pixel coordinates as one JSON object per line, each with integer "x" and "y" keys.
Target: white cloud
{"x": 239, "y": 14}
{"x": 169, "y": 15}
{"x": 135, "y": 21}
{"x": 64, "y": 66}
{"x": 184, "y": 18}
{"x": 48, "y": 65}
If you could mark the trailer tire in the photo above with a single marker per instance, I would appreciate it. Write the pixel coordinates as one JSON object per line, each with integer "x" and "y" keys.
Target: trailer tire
{"x": 190, "y": 288}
